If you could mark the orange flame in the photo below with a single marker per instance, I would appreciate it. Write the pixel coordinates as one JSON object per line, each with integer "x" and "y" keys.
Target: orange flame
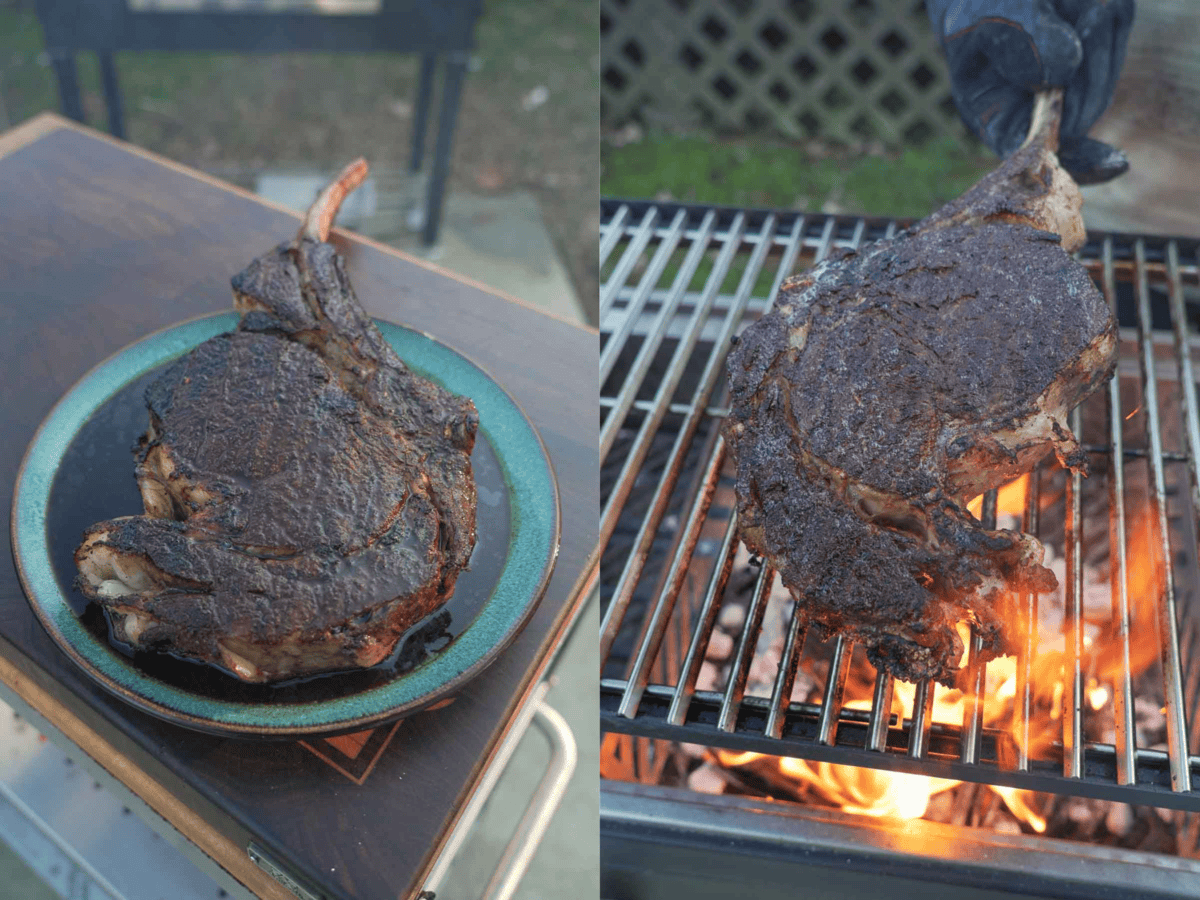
{"x": 1010, "y": 499}
{"x": 878, "y": 793}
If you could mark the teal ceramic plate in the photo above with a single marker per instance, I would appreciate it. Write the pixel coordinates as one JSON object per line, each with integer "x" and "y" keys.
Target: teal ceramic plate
{"x": 79, "y": 471}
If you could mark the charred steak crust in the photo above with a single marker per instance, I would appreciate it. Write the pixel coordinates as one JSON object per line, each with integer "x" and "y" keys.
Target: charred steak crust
{"x": 885, "y": 389}
{"x": 308, "y": 497}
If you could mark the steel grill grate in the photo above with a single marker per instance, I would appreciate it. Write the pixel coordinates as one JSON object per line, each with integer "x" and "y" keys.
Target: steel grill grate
{"x": 678, "y": 283}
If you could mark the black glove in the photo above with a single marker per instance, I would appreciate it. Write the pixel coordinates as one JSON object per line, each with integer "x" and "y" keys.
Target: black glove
{"x": 1000, "y": 52}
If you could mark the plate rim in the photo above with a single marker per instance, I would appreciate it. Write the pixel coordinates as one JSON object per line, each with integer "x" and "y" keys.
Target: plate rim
{"x": 249, "y": 729}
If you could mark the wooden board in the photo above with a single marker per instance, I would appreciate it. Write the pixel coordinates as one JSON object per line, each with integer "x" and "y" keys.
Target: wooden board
{"x": 101, "y": 243}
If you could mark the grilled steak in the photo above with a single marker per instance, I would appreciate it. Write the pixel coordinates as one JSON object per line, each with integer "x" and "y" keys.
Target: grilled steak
{"x": 888, "y": 387}
{"x": 308, "y": 498}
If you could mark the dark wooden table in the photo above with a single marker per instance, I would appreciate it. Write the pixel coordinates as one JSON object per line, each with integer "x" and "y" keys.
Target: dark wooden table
{"x": 100, "y": 243}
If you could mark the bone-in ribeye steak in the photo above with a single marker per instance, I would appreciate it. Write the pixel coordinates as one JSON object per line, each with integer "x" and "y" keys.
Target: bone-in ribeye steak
{"x": 307, "y": 497}
{"x": 889, "y": 386}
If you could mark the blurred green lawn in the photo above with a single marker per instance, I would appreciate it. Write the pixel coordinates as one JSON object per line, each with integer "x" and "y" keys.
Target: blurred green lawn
{"x": 748, "y": 172}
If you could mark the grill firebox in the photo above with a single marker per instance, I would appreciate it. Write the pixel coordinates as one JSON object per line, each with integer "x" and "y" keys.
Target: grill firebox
{"x": 678, "y": 282}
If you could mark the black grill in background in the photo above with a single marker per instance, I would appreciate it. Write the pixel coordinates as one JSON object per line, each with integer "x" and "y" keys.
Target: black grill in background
{"x": 678, "y": 282}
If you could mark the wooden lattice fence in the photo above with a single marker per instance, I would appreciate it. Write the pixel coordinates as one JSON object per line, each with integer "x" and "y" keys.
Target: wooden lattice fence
{"x": 848, "y": 71}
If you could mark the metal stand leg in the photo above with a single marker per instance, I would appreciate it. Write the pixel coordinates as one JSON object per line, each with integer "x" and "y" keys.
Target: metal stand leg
{"x": 68, "y": 84}
{"x": 112, "y": 95}
{"x": 456, "y": 69}
{"x": 518, "y": 853}
{"x": 421, "y": 116}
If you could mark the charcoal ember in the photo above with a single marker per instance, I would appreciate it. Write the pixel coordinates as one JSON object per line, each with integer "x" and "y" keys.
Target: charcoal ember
{"x": 720, "y": 645}
{"x": 763, "y": 669}
{"x": 1006, "y": 824}
{"x": 1119, "y": 818}
{"x": 941, "y": 807}
{"x": 1149, "y": 721}
{"x": 1083, "y": 814}
{"x": 709, "y": 678}
{"x": 707, "y": 779}
{"x": 731, "y": 617}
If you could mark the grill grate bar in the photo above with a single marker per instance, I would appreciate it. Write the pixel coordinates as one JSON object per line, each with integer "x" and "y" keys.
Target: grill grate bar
{"x": 781, "y": 238}
{"x": 656, "y": 625}
{"x": 650, "y": 424}
{"x": 1072, "y": 720}
{"x": 612, "y": 425}
{"x": 1167, "y": 623}
{"x": 973, "y": 709}
{"x": 1191, "y": 424}
{"x": 633, "y": 252}
{"x": 610, "y": 234}
{"x": 702, "y": 634}
{"x": 785, "y": 678}
{"x": 735, "y": 688}
{"x": 1028, "y": 648}
{"x": 615, "y": 612}
{"x": 976, "y": 669}
{"x": 881, "y": 706}
{"x": 1191, "y": 688}
{"x": 919, "y": 728}
{"x": 1119, "y": 551}
{"x": 799, "y": 740}
{"x": 670, "y": 594}
{"x": 641, "y": 296}
{"x": 835, "y": 687}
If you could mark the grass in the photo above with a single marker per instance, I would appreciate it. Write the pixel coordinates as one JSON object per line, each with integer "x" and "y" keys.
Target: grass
{"x": 748, "y": 173}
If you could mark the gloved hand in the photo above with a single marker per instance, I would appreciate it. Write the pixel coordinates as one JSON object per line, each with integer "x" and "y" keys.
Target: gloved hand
{"x": 1000, "y": 52}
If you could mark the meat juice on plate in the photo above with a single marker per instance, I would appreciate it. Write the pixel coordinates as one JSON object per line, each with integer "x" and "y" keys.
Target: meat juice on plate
{"x": 96, "y": 481}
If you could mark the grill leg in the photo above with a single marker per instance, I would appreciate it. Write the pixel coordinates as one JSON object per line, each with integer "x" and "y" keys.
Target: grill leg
{"x": 112, "y": 95}
{"x": 421, "y": 115}
{"x": 68, "y": 83}
{"x": 456, "y": 69}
